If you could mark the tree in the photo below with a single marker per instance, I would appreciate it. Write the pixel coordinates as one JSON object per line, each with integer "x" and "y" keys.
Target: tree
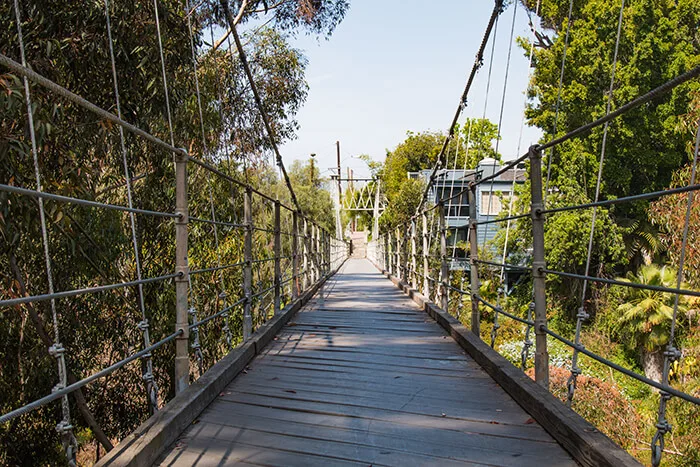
{"x": 659, "y": 41}
{"x": 669, "y": 212}
{"x": 477, "y": 136}
{"x": 80, "y": 155}
{"x": 313, "y": 194}
{"x": 419, "y": 151}
{"x": 404, "y": 206}
{"x": 646, "y": 316}
{"x": 312, "y": 16}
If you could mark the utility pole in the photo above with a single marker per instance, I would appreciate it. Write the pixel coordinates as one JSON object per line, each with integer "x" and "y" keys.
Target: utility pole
{"x": 340, "y": 174}
{"x": 313, "y": 155}
{"x": 350, "y": 189}
{"x": 338, "y": 222}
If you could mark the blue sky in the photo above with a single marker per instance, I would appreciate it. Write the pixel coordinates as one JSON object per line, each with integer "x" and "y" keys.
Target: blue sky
{"x": 398, "y": 65}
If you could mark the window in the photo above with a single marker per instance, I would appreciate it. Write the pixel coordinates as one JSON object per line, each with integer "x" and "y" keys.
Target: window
{"x": 456, "y": 200}
{"x": 499, "y": 200}
{"x": 491, "y": 203}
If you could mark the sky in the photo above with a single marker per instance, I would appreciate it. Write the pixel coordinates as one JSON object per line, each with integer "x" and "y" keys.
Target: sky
{"x": 393, "y": 66}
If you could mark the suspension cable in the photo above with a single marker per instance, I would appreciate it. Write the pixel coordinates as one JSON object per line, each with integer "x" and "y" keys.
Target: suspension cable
{"x": 258, "y": 102}
{"x": 672, "y": 354}
{"x": 557, "y": 105}
{"x": 478, "y": 63}
{"x": 165, "y": 78}
{"x": 223, "y": 294}
{"x": 64, "y": 427}
{"x": 582, "y": 315}
{"x": 500, "y": 117}
{"x": 151, "y": 386}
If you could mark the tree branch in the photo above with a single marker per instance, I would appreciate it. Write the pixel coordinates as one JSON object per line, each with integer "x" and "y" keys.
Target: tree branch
{"x": 77, "y": 394}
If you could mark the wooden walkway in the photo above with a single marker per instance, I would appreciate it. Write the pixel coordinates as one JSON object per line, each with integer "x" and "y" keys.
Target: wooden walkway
{"x": 362, "y": 377}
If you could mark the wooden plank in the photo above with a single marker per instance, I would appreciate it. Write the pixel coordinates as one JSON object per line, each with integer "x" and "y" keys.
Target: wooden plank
{"x": 505, "y": 430}
{"x": 412, "y": 430}
{"x": 351, "y": 388}
{"x": 405, "y": 440}
{"x": 323, "y": 356}
{"x": 467, "y": 410}
{"x": 219, "y": 441}
{"x": 389, "y": 380}
{"x": 328, "y": 364}
{"x": 588, "y": 445}
{"x": 362, "y": 376}
{"x": 387, "y": 349}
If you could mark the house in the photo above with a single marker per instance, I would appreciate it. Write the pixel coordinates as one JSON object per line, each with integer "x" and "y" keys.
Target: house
{"x": 492, "y": 199}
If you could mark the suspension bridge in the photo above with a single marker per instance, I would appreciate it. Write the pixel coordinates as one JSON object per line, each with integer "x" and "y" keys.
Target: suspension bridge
{"x": 298, "y": 354}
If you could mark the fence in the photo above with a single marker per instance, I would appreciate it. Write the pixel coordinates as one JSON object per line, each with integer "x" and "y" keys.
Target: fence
{"x": 418, "y": 253}
{"x": 230, "y": 256}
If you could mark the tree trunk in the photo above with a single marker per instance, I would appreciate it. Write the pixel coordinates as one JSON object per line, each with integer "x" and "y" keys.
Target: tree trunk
{"x": 653, "y": 363}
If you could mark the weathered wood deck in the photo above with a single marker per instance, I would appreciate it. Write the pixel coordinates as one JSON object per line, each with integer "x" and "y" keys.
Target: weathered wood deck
{"x": 362, "y": 377}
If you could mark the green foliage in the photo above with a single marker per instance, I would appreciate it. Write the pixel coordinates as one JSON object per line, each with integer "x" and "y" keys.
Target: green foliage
{"x": 313, "y": 194}
{"x": 313, "y": 17}
{"x": 659, "y": 41}
{"x": 566, "y": 246}
{"x": 418, "y": 152}
{"x": 646, "y": 315}
{"x": 404, "y": 206}
{"x": 80, "y": 156}
{"x": 669, "y": 214}
{"x": 478, "y": 135}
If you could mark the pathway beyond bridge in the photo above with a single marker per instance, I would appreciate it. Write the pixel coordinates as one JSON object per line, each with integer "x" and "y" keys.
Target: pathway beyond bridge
{"x": 361, "y": 376}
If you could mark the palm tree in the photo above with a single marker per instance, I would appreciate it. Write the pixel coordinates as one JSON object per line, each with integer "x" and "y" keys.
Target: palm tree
{"x": 647, "y": 314}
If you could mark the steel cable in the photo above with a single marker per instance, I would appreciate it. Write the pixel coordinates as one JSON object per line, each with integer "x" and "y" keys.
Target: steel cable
{"x": 672, "y": 354}
{"x": 557, "y": 105}
{"x": 151, "y": 385}
{"x": 64, "y": 427}
{"x": 582, "y": 314}
{"x": 478, "y": 63}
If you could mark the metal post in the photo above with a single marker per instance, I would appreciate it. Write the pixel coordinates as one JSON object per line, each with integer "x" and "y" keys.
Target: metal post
{"x": 375, "y": 213}
{"x": 538, "y": 264}
{"x": 328, "y": 252}
{"x": 310, "y": 253}
{"x": 426, "y": 264}
{"x": 385, "y": 264}
{"x": 389, "y": 253}
{"x": 305, "y": 254}
{"x": 444, "y": 270}
{"x": 398, "y": 254}
{"x": 278, "y": 259}
{"x": 473, "y": 256}
{"x": 317, "y": 252}
{"x": 414, "y": 272}
{"x": 314, "y": 252}
{"x": 182, "y": 359}
{"x": 248, "y": 264}
{"x": 295, "y": 255}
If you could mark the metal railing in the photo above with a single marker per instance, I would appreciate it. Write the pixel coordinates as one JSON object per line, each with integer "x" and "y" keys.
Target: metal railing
{"x": 418, "y": 254}
{"x": 266, "y": 255}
